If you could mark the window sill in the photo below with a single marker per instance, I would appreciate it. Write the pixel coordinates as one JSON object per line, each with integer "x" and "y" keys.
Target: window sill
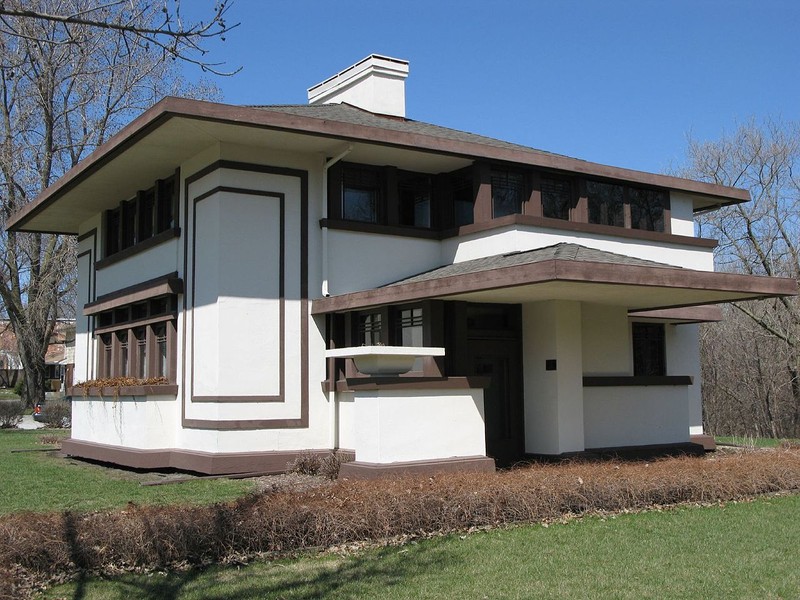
{"x": 628, "y": 381}
{"x": 130, "y": 390}
{"x": 156, "y": 240}
{"x": 357, "y": 384}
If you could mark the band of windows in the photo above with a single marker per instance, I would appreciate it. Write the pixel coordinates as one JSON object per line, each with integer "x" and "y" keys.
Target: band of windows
{"x": 138, "y": 340}
{"x": 390, "y": 196}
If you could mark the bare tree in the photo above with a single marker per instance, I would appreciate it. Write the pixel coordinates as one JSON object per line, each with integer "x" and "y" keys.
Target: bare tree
{"x": 152, "y": 24}
{"x": 64, "y": 89}
{"x": 761, "y": 237}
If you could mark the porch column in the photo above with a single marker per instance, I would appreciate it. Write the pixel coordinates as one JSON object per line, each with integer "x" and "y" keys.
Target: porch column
{"x": 553, "y": 376}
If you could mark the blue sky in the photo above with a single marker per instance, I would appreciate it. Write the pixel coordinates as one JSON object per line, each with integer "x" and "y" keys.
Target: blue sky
{"x": 616, "y": 82}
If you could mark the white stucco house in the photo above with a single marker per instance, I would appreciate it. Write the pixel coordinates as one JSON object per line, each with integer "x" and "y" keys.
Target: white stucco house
{"x": 336, "y": 276}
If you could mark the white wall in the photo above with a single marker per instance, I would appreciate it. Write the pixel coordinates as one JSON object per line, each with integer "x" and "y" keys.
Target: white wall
{"x": 399, "y": 426}
{"x": 553, "y": 399}
{"x": 683, "y": 358}
{"x": 682, "y": 215}
{"x": 606, "y": 340}
{"x": 124, "y": 421}
{"x": 635, "y": 416}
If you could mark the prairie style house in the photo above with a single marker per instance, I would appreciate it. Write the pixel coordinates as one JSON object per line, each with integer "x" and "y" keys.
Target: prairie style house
{"x": 335, "y": 276}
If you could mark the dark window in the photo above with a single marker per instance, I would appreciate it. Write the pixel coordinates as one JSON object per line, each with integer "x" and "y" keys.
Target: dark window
{"x": 370, "y": 327}
{"x": 556, "y": 198}
{"x": 409, "y": 325}
{"x": 140, "y": 334}
{"x": 606, "y": 203}
{"x": 649, "y": 353}
{"x": 508, "y": 193}
{"x": 463, "y": 201}
{"x": 162, "y": 362}
{"x": 112, "y": 231}
{"x": 361, "y": 194}
{"x": 124, "y": 355}
{"x": 415, "y": 200}
{"x": 128, "y": 224}
{"x": 147, "y": 208}
{"x": 165, "y": 205}
{"x": 647, "y": 208}
{"x": 105, "y": 355}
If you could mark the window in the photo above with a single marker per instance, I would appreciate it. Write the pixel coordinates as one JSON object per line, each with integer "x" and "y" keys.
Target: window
{"x": 361, "y": 194}
{"x": 463, "y": 201}
{"x": 409, "y": 331}
{"x": 508, "y": 193}
{"x": 649, "y": 353}
{"x": 414, "y": 193}
{"x": 370, "y": 328}
{"x": 150, "y": 213}
{"x": 556, "y": 198}
{"x": 606, "y": 203}
{"x": 138, "y": 340}
{"x": 647, "y": 208}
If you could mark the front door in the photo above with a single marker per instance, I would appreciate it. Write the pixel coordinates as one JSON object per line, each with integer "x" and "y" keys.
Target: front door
{"x": 494, "y": 352}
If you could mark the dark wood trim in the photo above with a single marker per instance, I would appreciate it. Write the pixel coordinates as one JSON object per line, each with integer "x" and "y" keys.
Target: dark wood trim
{"x": 109, "y": 393}
{"x": 166, "y": 284}
{"x": 142, "y": 246}
{"x": 170, "y": 316}
{"x": 632, "y": 381}
{"x": 706, "y": 441}
{"x": 223, "y": 463}
{"x": 465, "y": 464}
{"x": 744, "y": 286}
{"x": 302, "y": 421}
{"x": 241, "y": 399}
{"x": 358, "y": 384}
{"x": 281, "y": 285}
{"x": 87, "y": 235}
{"x": 397, "y": 230}
{"x": 692, "y": 314}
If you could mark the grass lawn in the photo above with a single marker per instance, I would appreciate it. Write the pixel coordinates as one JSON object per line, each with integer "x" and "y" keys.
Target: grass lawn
{"x": 44, "y": 481}
{"x": 745, "y": 550}
{"x": 754, "y": 442}
{"x": 8, "y": 394}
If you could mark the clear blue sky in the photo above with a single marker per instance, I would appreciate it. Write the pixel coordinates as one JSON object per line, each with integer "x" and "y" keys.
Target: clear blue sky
{"x": 616, "y": 82}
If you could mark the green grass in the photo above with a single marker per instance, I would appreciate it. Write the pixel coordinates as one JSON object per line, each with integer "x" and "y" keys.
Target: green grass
{"x": 44, "y": 481}
{"x": 8, "y": 394}
{"x": 745, "y": 550}
{"x": 754, "y": 442}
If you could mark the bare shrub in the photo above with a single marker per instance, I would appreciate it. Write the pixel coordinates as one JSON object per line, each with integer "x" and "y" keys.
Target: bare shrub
{"x": 306, "y": 463}
{"x": 158, "y": 537}
{"x": 50, "y": 439}
{"x": 11, "y": 412}
{"x": 329, "y": 467}
{"x": 57, "y": 414}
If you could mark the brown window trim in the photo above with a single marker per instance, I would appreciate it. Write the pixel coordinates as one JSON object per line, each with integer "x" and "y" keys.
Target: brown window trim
{"x": 629, "y": 380}
{"x": 165, "y": 389}
{"x": 151, "y": 242}
{"x": 170, "y": 316}
{"x": 166, "y": 284}
{"x": 398, "y": 230}
{"x": 355, "y": 384}
{"x": 152, "y": 356}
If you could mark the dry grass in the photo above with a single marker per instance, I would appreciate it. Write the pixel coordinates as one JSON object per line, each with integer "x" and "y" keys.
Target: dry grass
{"x": 55, "y": 546}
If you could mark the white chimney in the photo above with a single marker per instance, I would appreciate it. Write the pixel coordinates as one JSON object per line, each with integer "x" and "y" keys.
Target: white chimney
{"x": 376, "y": 84}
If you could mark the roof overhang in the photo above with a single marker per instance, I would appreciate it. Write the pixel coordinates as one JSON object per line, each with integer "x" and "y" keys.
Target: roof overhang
{"x": 175, "y": 129}
{"x": 638, "y": 288}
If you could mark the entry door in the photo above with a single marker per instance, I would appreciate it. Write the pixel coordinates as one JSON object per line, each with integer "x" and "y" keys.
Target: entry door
{"x": 502, "y": 400}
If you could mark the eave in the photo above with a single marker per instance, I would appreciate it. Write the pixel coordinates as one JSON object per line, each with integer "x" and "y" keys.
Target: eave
{"x": 174, "y": 129}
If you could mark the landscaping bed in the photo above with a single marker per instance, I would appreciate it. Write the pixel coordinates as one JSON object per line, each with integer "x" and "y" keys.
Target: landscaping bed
{"x": 57, "y": 546}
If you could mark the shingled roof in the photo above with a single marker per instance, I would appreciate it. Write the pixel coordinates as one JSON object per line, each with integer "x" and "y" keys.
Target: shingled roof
{"x": 563, "y": 251}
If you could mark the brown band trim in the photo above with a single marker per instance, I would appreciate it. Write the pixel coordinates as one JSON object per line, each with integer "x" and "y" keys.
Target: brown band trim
{"x": 242, "y": 399}
{"x": 357, "y": 384}
{"x": 628, "y": 381}
{"x": 689, "y": 314}
{"x": 166, "y": 284}
{"x": 706, "y": 441}
{"x": 151, "y": 242}
{"x": 302, "y": 422}
{"x": 744, "y": 286}
{"x": 170, "y": 316}
{"x": 187, "y": 460}
{"x": 128, "y": 390}
{"x": 281, "y": 291}
{"x": 364, "y": 470}
{"x": 87, "y": 235}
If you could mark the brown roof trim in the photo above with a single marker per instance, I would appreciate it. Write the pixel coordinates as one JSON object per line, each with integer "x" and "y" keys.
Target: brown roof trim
{"x": 689, "y": 314}
{"x": 559, "y": 270}
{"x": 636, "y": 380}
{"x": 166, "y": 284}
{"x": 171, "y": 107}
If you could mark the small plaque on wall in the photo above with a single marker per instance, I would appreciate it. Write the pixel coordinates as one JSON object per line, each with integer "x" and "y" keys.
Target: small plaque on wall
{"x": 550, "y": 364}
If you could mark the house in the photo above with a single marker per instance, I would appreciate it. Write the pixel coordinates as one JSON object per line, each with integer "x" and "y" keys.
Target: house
{"x": 59, "y": 358}
{"x": 335, "y": 276}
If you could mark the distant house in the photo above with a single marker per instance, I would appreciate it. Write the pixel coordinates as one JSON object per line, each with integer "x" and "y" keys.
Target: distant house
{"x": 336, "y": 276}
{"x": 59, "y": 359}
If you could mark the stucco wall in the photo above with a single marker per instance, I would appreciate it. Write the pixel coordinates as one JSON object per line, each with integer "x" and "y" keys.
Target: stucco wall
{"x": 606, "y": 338}
{"x": 125, "y": 421}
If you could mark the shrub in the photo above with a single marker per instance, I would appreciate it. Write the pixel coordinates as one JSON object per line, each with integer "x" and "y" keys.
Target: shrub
{"x": 11, "y": 412}
{"x": 306, "y": 463}
{"x": 57, "y": 413}
{"x": 19, "y": 387}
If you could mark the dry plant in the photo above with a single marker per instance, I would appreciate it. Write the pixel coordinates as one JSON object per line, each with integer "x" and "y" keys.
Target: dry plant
{"x": 57, "y": 545}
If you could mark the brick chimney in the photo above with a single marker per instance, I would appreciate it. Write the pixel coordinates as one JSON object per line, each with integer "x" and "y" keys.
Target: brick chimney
{"x": 376, "y": 83}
